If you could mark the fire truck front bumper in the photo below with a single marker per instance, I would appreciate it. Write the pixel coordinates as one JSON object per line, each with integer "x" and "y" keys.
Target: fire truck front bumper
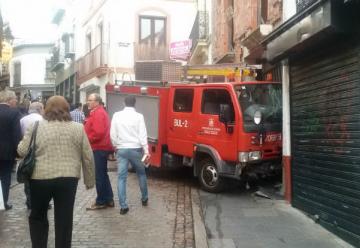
{"x": 258, "y": 169}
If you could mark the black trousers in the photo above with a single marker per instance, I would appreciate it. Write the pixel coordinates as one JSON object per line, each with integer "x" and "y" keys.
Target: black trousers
{"x": 62, "y": 191}
{"x": 27, "y": 194}
{"x": 5, "y": 177}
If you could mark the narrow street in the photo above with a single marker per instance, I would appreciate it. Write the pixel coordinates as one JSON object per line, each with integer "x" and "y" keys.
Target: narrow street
{"x": 165, "y": 222}
{"x": 179, "y": 214}
{"x": 259, "y": 217}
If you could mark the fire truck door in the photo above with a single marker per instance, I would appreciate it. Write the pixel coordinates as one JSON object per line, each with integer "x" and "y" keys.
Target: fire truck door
{"x": 210, "y": 130}
{"x": 181, "y": 122}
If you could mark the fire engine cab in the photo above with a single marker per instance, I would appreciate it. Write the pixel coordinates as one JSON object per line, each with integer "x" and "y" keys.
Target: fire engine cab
{"x": 221, "y": 130}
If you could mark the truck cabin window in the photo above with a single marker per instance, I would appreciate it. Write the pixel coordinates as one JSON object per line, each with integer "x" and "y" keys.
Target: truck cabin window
{"x": 213, "y": 98}
{"x": 263, "y": 97}
{"x": 183, "y": 100}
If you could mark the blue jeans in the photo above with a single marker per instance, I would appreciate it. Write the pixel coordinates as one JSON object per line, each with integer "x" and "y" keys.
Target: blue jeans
{"x": 103, "y": 186}
{"x": 124, "y": 156}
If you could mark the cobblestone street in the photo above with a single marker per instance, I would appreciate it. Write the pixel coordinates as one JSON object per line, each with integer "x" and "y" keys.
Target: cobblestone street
{"x": 166, "y": 222}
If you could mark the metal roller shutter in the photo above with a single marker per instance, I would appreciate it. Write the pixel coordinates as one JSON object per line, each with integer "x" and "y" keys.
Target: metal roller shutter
{"x": 325, "y": 126}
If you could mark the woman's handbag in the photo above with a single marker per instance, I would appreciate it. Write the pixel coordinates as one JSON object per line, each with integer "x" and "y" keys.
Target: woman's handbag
{"x": 27, "y": 164}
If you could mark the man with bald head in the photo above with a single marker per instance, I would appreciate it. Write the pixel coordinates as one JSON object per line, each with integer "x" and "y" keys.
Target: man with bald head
{"x": 97, "y": 128}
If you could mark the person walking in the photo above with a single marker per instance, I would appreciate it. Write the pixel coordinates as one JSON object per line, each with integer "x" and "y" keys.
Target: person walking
{"x": 10, "y": 135}
{"x": 129, "y": 137}
{"x": 85, "y": 110}
{"x": 77, "y": 114}
{"x": 62, "y": 149}
{"x": 97, "y": 128}
{"x": 36, "y": 110}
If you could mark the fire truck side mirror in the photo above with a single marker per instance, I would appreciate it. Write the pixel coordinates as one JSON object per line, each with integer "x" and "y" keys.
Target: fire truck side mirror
{"x": 225, "y": 113}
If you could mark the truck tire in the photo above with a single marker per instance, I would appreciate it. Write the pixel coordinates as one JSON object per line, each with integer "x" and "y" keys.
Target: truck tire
{"x": 209, "y": 178}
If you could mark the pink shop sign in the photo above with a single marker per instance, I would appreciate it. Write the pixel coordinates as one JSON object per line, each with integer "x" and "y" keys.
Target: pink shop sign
{"x": 180, "y": 50}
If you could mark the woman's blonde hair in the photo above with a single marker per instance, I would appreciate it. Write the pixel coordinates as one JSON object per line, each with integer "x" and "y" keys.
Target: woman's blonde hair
{"x": 57, "y": 109}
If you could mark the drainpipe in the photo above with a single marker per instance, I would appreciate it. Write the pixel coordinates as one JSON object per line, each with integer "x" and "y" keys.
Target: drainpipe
{"x": 286, "y": 130}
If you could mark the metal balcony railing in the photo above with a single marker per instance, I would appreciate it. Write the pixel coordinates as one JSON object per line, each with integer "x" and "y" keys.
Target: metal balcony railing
{"x": 69, "y": 45}
{"x": 49, "y": 76}
{"x": 148, "y": 52}
{"x": 58, "y": 58}
{"x": 200, "y": 29}
{"x": 303, "y": 4}
{"x": 93, "y": 60}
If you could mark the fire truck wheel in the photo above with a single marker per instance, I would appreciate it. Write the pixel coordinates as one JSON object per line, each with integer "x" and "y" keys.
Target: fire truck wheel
{"x": 209, "y": 176}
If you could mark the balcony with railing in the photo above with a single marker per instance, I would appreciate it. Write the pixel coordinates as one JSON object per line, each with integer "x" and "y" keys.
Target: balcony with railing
{"x": 200, "y": 29}
{"x": 303, "y": 4}
{"x": 69, "y": 45}
{"x": 58, "y": 58}
{"x": 49, "y": 74}
{"x": 199, "y": 36}
{"x": 150, "y": 52}
{"x": 93, "y": 64}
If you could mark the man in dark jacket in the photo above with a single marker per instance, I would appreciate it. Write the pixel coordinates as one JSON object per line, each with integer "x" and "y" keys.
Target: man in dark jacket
{"x": 97, "y": 128}
{"x": 10, "y": 135}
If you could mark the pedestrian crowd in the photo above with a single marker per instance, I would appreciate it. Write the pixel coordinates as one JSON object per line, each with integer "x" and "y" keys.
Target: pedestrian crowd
{"x": 70, "y": 139}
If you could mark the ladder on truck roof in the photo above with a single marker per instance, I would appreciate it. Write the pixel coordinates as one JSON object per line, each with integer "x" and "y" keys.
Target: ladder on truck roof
{"x": 230, "y": 72}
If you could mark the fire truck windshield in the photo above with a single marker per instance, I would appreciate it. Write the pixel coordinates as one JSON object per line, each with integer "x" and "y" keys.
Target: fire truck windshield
{"x": 263, "y": 97}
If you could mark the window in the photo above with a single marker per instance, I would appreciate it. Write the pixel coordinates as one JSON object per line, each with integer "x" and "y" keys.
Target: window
{"x": 17, "y": 74}
{"x": 68, "y": 40}
{"x": 88, "y": 42}
{"x": 152, "y": 30}
{"x": 263, "y": 11}
{"x": 183, "y": 100}
{"x": 213, "y": 98}
{"x": 100, "y": 33}
{"x": 49, "y": 75}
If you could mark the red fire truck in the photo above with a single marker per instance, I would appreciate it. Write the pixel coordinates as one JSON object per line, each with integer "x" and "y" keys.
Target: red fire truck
{"x": 221, "y": 130}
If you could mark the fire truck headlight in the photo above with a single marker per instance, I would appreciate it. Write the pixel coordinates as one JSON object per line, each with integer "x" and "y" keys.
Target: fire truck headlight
{"x": 254, "y": 155}
{"x": 243, "y": 156}
{"x": 144, "y": 90}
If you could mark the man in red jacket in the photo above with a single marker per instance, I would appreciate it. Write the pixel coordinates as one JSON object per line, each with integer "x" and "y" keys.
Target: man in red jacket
{"x": 97, "y": 128}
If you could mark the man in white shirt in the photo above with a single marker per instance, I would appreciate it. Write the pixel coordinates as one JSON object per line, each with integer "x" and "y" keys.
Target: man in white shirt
{"x": 129, "y": 137}
{"x": 36, "y": 110}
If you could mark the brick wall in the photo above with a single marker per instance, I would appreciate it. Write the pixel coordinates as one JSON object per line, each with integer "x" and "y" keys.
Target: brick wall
{"x": 221, "y": 29}
{"x": 245, "y": 16}
{"x": 275, "y": 12}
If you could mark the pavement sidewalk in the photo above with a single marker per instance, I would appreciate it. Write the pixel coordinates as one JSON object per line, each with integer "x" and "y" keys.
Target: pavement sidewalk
{"x": 242, "y": 219}
{"x": 166, "y": 222}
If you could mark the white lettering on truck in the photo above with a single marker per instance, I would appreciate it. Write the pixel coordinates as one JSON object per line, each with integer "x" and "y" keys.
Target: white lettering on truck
{"x": 181, "y": 123}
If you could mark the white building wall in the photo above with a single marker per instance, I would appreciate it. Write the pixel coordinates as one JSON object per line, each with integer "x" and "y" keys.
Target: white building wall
{"x": 120, "y": 21}
{"x": 33, "y": 68}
